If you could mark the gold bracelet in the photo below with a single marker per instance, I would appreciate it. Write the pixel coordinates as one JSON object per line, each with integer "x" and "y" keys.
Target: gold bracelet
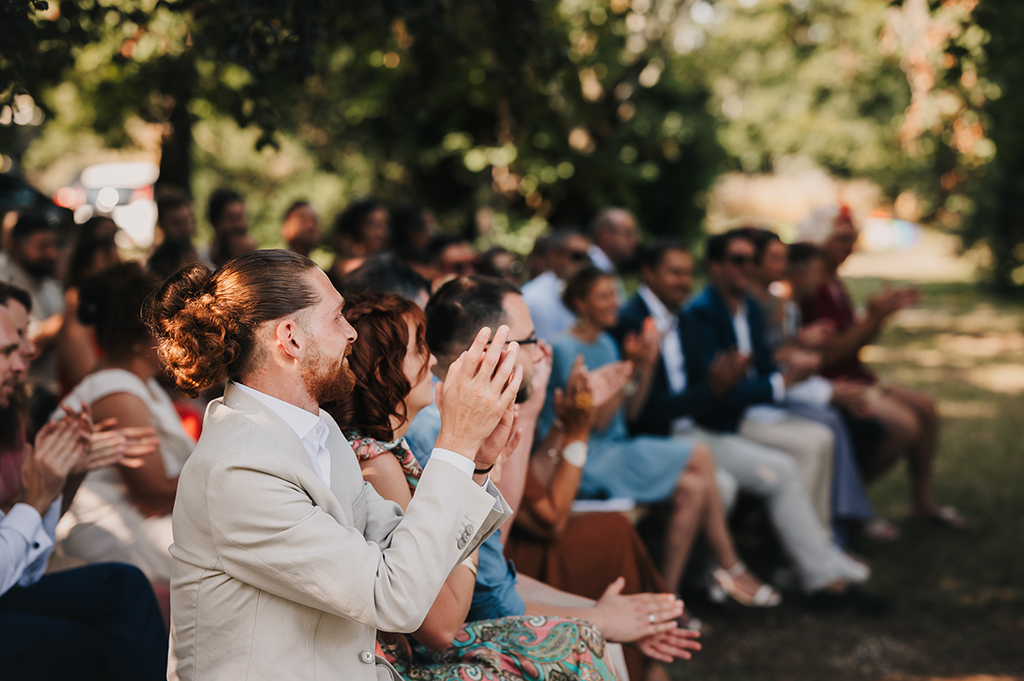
{"x": 471, "y": 564}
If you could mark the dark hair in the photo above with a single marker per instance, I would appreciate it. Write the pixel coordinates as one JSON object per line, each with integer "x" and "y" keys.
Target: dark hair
{"x": 112, "y": 302}
{"x": 761, "y": 238}
{"x": 349, "y": 222}
{"x": 440, "y": 242}
{"x": 650, "y": 255}
{"x": 219, "y": 201}
{"x": 29, "y": 224}
{"x": 301, "y": 203}
{"x": 170, "y": 256}
{"x": 9, "y": 292}
{"x": 384, "y": 273}
{"x": 206, "y": 322}
{"x": 488, "y": 267}
{"x": 458, "y": 310}
{"x": 802, "y": 253}
{"x": 88, "y": 243}
{"x": 378, "y": 362}
{"x": 718, "y": 245}
{"x": 579, "y": 285}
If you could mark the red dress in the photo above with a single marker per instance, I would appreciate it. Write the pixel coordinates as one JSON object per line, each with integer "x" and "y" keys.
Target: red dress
{"x": 832, "y": 301}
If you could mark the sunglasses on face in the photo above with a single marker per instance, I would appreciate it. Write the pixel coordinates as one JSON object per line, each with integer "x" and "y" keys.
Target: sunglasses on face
{"x": 740, "y": 260}
{"x": 578, "y": 256}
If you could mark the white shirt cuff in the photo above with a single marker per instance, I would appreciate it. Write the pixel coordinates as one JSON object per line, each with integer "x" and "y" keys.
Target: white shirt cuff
{"x": 467, "y": 467}
{"x": 457, "y": 460}
{"x": 25, "y": 520}
{"x": 778, "y": 387}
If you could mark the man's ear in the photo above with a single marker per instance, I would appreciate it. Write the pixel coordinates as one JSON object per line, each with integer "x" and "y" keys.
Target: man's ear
{"x": 290, "y": 338}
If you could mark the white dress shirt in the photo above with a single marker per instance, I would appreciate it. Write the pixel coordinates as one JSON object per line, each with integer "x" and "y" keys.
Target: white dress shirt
{"x": 543, "y": 295}
{"x": 671, "y": 352}
{"x": 312, "y": 432}
{"x": 745, "y": 346}
{"x": 26, "y": 541}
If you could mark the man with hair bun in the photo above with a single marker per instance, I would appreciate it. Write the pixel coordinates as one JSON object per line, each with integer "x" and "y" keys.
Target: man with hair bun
{"x": 285, "y": 561}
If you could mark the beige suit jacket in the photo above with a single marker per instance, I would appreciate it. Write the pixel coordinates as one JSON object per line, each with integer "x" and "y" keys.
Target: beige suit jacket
{"x": 278, "y": 576}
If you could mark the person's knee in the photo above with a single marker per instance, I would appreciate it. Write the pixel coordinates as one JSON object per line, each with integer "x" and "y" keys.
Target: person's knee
{"x": 691, "y": 490}
{"x": 702, "y": 461}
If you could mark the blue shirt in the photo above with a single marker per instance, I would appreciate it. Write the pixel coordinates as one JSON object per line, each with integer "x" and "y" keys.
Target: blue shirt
{"x": 494, "y": 594}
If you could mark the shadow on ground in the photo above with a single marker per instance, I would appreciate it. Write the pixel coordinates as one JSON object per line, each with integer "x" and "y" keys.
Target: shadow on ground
{"x": 957, "y": 598}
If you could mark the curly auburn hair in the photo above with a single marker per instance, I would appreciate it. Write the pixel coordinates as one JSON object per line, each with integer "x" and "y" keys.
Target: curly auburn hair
{"x": 378, "y": 362}
{"x": 205, "y": 322}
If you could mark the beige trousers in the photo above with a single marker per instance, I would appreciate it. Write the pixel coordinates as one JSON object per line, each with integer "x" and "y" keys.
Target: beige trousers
{"x": 811, "y": 444}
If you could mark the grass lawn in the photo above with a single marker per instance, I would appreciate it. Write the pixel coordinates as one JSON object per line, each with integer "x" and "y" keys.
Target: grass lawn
{"x": 957, "y": 598}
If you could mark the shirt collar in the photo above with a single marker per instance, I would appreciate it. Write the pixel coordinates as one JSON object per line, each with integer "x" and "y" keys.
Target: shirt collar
{"x": 299, "y": 420}
{"x": 662, "y": 315}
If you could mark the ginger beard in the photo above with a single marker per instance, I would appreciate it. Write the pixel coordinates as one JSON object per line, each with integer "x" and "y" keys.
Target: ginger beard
{"x": 327, "y": 380}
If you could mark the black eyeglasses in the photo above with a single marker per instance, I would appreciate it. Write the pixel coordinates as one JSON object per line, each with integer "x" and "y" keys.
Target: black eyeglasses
{"x": 579, "y": 256}
{"x": 532, "y": 340}
{"x": 741, "y": 260}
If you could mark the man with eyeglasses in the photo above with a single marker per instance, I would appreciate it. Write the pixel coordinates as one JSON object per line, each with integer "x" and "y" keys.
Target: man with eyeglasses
{"x": 543, "y": 294}
{"x": 728, "y": 320}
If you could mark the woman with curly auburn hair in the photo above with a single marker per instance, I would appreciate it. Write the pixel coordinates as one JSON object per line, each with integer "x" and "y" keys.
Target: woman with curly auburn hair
{"x": 392, "y": 363}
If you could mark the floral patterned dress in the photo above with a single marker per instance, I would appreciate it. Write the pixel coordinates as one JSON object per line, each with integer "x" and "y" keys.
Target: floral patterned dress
{"x": 536, "y": 648}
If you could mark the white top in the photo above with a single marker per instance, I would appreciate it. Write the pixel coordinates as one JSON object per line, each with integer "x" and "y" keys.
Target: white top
{"x": 671, "y": 352}
{"x": 745, "y": 346}
{"x": 175, "y": 443}
{"x": 543, "y": 295}
{"x": 26, "y": 541}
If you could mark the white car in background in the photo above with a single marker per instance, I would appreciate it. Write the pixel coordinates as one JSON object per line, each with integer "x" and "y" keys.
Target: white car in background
{"x": 121, "y": 190}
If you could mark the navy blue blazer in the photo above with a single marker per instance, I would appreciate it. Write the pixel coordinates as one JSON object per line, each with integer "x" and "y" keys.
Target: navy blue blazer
{"x": 663, "y": 407}
{"x": 712, "y": 322}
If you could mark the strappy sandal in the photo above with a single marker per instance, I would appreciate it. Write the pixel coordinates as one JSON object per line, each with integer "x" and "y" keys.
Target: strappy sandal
{"x": 947, "y": 516}
{"x": 725, "y": 580}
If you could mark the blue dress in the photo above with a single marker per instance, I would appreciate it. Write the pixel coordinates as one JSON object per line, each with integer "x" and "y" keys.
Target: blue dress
{"x": 645, "y": 468}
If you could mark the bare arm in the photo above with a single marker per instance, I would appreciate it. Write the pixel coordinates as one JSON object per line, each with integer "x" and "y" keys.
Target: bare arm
{"x": 150, "y": 488}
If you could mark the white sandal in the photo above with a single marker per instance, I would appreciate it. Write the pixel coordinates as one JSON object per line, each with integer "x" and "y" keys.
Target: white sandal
{"x": 725, "y": 580}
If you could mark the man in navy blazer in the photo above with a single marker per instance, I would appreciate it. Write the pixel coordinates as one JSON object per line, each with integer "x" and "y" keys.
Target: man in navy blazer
{"x": 686, "y": 388}
{"x": 727, "y": 319}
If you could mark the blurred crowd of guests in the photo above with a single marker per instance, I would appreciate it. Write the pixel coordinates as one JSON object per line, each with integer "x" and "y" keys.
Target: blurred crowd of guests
{"x": 638, "y": 390}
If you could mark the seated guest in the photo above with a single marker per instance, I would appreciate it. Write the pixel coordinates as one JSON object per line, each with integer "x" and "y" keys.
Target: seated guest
{"x": 285, "y": 560}
{"x": 174, "y": 216}
{"x": 646, "y": 468}
{"x": 360, "y": 231}
{"x": 567, "y": 252}
{"x": 452, "y": 256}
{"x": 727, "y": 320}
{"x": 683, "y": 388}
{"x": 301, "y": 228}
{"x": 392, "y": 367}
{"x": 97, "y": 622}
{"x": 840, "y": 405}
{"x": 226, "y": 212}
{"x": 910, "y": 418}
{"x": 95, "y": 250}
{"x": 457, "y": 307}
{"x": 123, "y": 513}
{"x": 500, "y": 262}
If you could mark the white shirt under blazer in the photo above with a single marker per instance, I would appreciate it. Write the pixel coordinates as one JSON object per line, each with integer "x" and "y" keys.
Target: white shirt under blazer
{"x": 277, "y": 575}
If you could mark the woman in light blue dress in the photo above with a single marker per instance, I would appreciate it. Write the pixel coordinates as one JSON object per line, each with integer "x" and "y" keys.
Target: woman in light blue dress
{"x": 646, "y": 468}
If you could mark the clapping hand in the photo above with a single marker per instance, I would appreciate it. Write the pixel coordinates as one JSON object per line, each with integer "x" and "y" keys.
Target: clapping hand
{"x": 726, "y": 370}
{"x": 607, "y": 381}
{"x": 815, "y": 334}
{"x": 480, "y": 387}
{"x": 642, "y": 348}
{"x": 60, "y": 447}
{"x": 574, "y": 407}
